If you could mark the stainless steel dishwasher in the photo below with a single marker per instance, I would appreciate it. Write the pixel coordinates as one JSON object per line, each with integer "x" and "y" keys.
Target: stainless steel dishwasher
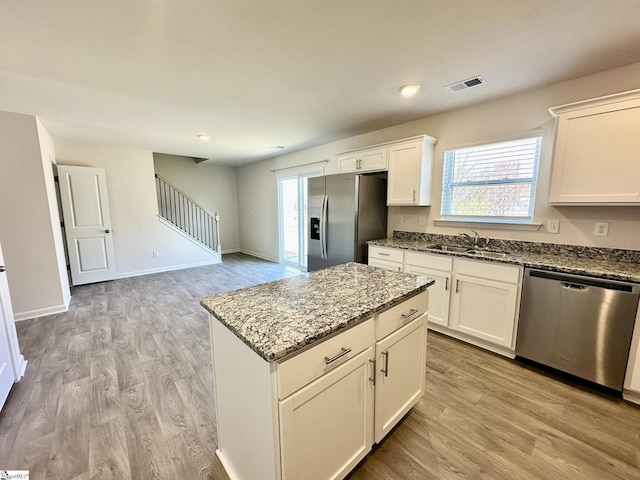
{"x": 579, "y": 325}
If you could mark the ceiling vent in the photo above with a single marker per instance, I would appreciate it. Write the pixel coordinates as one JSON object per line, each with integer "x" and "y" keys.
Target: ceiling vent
{"x": 463, "y": 85}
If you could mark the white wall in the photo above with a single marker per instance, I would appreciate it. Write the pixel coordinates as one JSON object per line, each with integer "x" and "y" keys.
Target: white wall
{"x": 48, "y": 155}
{"x": 496, "y": 120}
{"x": 29, "y": 224}
{"x": 137, "y": 231}
{"x": 213, "y": 187}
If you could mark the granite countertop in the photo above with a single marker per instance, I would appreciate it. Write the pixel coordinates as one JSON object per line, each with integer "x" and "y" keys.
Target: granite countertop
{"x": 621, "y": 265}
{"x": 279, "y": 318}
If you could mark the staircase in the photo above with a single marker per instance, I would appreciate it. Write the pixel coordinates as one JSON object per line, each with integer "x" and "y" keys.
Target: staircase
{"x": 186, "y": 215}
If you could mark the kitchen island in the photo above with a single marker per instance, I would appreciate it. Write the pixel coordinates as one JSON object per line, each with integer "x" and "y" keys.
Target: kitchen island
{"x": 312, "y": 370}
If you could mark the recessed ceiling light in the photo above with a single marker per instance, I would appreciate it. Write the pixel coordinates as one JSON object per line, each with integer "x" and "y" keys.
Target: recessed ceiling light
{"x": 277, "y": 147}
{"x": 204, "y": 138}
{"x": 409, "y": 90}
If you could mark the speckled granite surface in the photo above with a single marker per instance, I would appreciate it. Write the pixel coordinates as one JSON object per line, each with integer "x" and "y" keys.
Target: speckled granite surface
{"x": 614, "y": 264}
{"x": 279, "y": 318}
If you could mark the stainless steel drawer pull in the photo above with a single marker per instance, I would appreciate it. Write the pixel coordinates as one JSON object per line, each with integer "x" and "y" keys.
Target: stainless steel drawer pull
{"x": 344, "y": 351}
{"x": 457, "y": 285}
{"x": 446, "y": 284}
{"x": 385, "y": 370}
{"x": 382, "y": 254}
{"x": 372, "y": 379}
{"x": 410, "y": 314}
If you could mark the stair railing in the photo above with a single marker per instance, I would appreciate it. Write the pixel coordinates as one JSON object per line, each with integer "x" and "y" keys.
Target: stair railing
{"x": 184, "y": 213}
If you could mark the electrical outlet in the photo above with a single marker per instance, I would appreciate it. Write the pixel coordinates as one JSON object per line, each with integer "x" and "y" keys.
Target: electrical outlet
{"x": 422, "y": 220}
{"x": 156, "y": 254}
{"x": 553, "y": 226}
{"x": 399, "y": 219}
{"x": 601, "y": 229}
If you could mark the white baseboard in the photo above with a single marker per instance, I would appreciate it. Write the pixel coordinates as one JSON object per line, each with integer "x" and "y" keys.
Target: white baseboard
{"x": 631, "y": 396}
{"x": 231, "y": 250}
{"x": 167, "y": 269}
{"x": 22, "y": 366}
{"x": 504, "y": 351}
{"x": 41, "y": 312}
{"x": 259, "y": 255}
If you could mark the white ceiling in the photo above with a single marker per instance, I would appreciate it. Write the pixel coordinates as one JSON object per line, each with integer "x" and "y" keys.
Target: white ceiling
{"x": 255, "y": 74}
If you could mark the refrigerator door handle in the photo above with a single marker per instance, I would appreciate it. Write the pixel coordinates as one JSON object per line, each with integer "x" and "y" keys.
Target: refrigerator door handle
{"x": 323, "y": 226}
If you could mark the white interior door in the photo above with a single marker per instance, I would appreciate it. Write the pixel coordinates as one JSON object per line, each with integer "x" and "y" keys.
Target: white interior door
{"x": 87, "y": 222}
{"x": 12, "y": 364}
{"x": 6, "y": 367}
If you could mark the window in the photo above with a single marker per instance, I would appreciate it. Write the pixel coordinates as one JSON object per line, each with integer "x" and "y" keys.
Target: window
{"x": 491, "y": 182}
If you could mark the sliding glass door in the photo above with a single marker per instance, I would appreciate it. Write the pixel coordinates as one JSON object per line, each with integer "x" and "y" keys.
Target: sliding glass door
{"x": 292, "y": 200}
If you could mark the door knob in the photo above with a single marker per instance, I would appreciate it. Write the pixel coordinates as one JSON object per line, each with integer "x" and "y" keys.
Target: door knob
{"x": 107, "y": 231}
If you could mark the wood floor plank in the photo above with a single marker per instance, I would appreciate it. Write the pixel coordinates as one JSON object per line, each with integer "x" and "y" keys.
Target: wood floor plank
{"x": 69, "y": 454}
{"x": 108, "y": 459}
{"x": 78, "y": 363}
{"x": 105, "y": 402}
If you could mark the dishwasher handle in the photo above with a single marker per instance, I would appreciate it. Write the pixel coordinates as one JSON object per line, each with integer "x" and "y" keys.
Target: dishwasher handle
{"x": 579, "y": 281}
{"x": 573, "y": 286}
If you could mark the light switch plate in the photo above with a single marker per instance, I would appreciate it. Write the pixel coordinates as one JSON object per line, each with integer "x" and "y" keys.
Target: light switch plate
{"x": 601, "y": 229}
{"x": 399, "y": 218}
{"x": 422, "y": 220}
{"x": 553, "y": 226}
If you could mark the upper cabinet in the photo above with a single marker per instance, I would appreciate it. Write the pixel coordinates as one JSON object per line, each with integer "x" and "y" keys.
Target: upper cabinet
{"x": 410, "y": 171}
{"x": 409, "y": 162}
{"x": 365, "y": 160}
{"x": 597, "y": 152}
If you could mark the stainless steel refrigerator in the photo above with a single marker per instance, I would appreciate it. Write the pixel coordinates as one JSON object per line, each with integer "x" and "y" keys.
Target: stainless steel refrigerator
{"x": 344, "y": 211}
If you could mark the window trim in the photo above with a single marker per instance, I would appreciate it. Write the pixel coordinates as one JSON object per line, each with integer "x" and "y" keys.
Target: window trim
{"x": 492, "y": 221}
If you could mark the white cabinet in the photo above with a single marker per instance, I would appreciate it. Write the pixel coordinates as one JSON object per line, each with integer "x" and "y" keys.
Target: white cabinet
{"x": 314, "y": 415}
{"x": 410, "y": 171}
{"x": 438, "y": 267}
{"x": 388, "y": 258}
{"x": 484, "y": 301}
{"x": 365, "y": 160}
{"x": 631, "y": 390}
{"x": 326, "y": 427}
{"x": 400, "y": 361}
{"x": 409, "y": 162}
{"x": 473, "y": 300}
{"x": 597, "y": 152}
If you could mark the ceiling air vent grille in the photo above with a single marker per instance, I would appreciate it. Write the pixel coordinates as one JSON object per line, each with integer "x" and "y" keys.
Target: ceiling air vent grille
{"x": 464, "y": 84}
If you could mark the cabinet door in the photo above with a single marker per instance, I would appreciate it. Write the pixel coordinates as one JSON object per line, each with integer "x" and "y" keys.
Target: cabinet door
{"x": 326, "y": 427}
{"x": 348, "y": 163}
{"x": 485, "y": 309}
{"x": 404, "y": 174}
{"x": 401, "y": 363}
{"x": 371, "y": 160}
{"x": 596, "y": 155}
{"x": 439, "y": 293}
{"x": 363, "y": 161}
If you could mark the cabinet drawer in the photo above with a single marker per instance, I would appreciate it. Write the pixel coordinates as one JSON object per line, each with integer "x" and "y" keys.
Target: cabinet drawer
{"x": 388, "y": 254}
{"x": 393, "y": 266}
{"x": 395, "y": 317}
{"x": 436, "y": 262}
{"x": 302, "y": 369}
{"x": 489, "y": 270}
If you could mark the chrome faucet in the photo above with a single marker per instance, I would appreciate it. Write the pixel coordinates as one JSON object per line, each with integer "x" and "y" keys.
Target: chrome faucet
{"x": 474, "y": 239}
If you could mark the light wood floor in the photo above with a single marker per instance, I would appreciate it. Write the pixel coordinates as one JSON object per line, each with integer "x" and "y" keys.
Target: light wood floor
{"x": 121, "y": 387}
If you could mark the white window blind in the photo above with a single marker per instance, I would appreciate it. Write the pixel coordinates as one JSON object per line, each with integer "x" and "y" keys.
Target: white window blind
{"x": 491, "y": 181}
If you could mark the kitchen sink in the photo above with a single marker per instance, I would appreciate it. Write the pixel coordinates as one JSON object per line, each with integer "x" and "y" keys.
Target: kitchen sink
{"x": 487, "y": 253}
{"x": 470, "y": 250}
{"x": 451, "y": 248}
